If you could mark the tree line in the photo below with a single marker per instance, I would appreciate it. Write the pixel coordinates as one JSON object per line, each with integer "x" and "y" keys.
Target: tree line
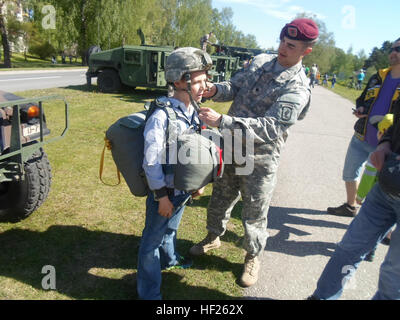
{"x": 54, "y": 26}
{"x": 344, "y": 64}
{"x": 80, "y": 24}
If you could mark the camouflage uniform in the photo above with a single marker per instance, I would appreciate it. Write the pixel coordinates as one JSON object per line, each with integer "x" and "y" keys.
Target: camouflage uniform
{"x": 266, "y": 102}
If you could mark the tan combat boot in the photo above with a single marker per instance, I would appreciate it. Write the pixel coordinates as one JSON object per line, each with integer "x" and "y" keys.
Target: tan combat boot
{"x": 250, "y": 272}
{"x": 211, "y": 241}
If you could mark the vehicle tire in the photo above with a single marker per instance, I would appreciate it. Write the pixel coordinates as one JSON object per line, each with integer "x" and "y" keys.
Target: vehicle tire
{"x": 108, "y": 81}
{"x": 18, "y": 199}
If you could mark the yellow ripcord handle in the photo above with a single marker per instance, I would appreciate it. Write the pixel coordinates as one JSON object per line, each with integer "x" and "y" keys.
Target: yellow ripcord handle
{"x": 107, "y": 144}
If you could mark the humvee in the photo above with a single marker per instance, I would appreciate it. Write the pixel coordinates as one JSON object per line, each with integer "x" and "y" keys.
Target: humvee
{"x": 244, "y": 54}
{"x": 143, "y": 66}
{"x": 25, "y": 172}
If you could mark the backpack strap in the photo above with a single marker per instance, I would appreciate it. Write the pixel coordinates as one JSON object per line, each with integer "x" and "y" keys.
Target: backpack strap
{"x": 172, "y": 124}
{"x": 171, "y": 117}
{"x": 107, "y": 145}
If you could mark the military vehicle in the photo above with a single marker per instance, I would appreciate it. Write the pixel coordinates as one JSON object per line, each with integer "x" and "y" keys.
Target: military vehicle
{"x": 143, "y": 66}
{"x": 244, "y": 54}
{"x": 25, "y": 172}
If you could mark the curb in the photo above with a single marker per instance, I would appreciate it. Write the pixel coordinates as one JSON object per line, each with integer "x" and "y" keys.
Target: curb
{"x": 42, "y": 71}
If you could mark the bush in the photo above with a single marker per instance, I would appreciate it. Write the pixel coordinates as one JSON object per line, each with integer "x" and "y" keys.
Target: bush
{"x": 43, "y": 50}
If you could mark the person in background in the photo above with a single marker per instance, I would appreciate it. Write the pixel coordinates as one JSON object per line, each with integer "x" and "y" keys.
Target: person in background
{"x": 378, "y": 214}
{"x": 370, "y": 175}
{"x": 205, "y": 40}
{"x": 325, "y": 81}
{"x": 333, "y": 81}
{"x": 313, "y": 75}
{"x": 360, "y": 79}
{"x": 382, "y": 89}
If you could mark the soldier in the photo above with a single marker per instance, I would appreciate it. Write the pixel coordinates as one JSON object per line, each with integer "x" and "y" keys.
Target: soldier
{"x": 268, "y": 97}
{"x": 185, "y": 71}
{"x": 205, "y": 40}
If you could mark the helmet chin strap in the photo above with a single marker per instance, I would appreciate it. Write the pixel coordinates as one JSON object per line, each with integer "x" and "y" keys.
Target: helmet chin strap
{"x": 192, "y": 101}
{"x": 189, "y": 92}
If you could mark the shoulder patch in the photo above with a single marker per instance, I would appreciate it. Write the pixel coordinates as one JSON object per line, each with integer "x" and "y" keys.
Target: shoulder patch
{"x": 286, "y": 111}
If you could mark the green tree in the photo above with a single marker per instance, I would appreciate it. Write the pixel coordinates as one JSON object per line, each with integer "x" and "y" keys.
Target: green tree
{"x": 379, "y": 57}
{"x": 112, "y": 23}
{"x": 324, "y": 49}
{"x": 226, "y": 31}
{"x": 4, "y": 38}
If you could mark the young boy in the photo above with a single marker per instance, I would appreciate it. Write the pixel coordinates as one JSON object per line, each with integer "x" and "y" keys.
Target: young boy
{"x": 186, "y": 73}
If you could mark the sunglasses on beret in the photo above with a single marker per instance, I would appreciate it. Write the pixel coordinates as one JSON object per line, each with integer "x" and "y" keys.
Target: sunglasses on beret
{"x": 397, "y": 49}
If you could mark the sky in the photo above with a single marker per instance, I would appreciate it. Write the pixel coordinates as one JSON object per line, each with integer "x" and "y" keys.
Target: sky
{"x": 356, "y": 24}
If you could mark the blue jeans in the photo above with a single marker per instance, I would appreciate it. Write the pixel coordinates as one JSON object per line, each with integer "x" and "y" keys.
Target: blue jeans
{"x": 376, "y": 217}
{"x": 357, "y": 154}
{"x": 157, "y": 247}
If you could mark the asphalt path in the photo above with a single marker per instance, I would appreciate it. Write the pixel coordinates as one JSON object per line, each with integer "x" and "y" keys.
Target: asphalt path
{"x": 13, "y": 81}
{"x": 302, "y": 235}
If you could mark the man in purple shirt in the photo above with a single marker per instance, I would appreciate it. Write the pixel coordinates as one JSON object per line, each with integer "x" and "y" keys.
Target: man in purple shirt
{"x": 381, "y": 106}
{"x": 382, "y": 90}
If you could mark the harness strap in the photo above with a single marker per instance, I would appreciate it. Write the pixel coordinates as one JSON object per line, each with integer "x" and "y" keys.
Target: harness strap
{"x": 172, "y": 125}
{"x": 107, "y": 144}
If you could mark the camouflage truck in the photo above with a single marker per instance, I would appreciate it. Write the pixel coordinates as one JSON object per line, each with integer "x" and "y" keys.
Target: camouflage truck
{"x": 143, "y": 66}
{"x": 25, "y": 172}
{"x": 244, "y": 54}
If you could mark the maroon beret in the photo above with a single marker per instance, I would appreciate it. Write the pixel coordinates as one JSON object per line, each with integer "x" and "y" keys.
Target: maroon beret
{"x": 300, "y": 29}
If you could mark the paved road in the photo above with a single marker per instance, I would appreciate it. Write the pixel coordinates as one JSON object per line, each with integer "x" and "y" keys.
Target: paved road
{"x": 13, "y": 81}
{"x": 302, "y": 235}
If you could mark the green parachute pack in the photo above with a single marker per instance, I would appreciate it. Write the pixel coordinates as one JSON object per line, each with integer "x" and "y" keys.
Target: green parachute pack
{"x": 202, "y": 158}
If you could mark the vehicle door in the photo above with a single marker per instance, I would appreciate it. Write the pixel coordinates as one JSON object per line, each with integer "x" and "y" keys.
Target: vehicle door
{"x": 133, "y": 70}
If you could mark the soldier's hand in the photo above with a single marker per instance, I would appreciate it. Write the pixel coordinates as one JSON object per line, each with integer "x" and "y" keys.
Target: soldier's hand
{"x": 210, "y": 90}
{"x": 210, "y": 117}
{"x": 165, "y": 207}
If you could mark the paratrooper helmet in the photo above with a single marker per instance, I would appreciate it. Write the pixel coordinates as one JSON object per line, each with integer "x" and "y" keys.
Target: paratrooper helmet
{"x": 186, "y": 60}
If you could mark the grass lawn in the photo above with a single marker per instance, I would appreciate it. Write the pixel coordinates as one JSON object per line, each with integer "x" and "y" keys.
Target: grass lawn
{"x": 18, "y": 62}
{"x": 348, "y": 93}
{"x": 90, "y": 232}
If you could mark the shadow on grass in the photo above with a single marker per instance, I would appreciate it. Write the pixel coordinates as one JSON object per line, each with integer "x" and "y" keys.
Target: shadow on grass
{"x": 91, "y": 264}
